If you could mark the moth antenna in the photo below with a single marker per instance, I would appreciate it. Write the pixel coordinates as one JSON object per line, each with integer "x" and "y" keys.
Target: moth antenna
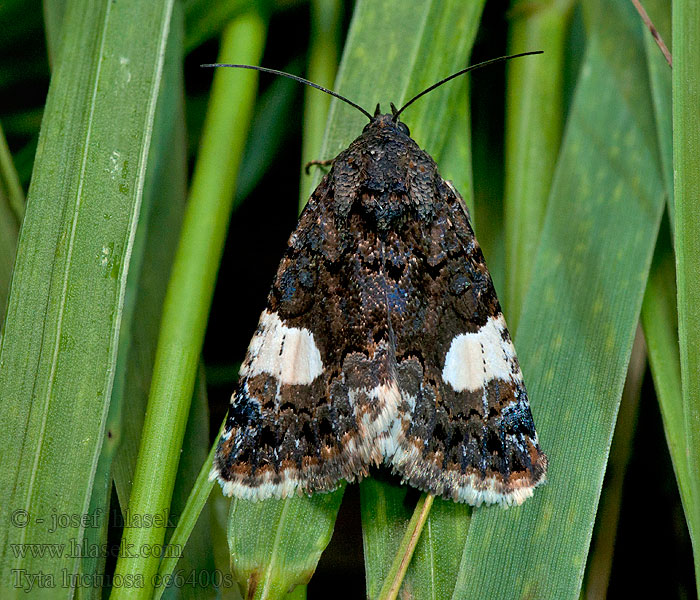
{"x": 295, "y": 78}
{"x": 458, "y": 73}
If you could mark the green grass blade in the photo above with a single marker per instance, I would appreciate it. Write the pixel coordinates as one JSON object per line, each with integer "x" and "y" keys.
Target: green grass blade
{"x": 579, "y": 318}
{"x": 399, "y": 33}
{"x": 387, "y": 510}
{"x": 686, "y": 167}
{"x": 190, "y": 542}
{"x": 660, "y": 77}
{"x": 456, "y": 156}
{"x": 154, "y": 248}
{"x": 534, "y": 122}
{"x": 403, "y": 556}
{"x": 92, "y": 566}
{"x": 11, "y": 214}
{"x": 275, "y": 544}
{"x": 65, "y": 309}
{"x": 189, "y": 516}
{"x": 322, "y": 65}
{"x": 189, "y": 296}
{"x": 54, "y": 11}
{"x": 660, "y": 322}
{"x": 9, "y": 182}
{"x": 600, "y": 559}
{"x": 220, "y": 505}
{"x": 660, "y": 307}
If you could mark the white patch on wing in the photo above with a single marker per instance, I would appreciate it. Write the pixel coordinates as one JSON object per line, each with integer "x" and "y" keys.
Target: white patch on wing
{"x": 474, "y": 359}
{"x": 288, "y": 353}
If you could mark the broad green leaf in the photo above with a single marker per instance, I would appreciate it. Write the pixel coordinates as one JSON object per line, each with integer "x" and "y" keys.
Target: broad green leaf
{"x": 579, "y": 318}
{"x": 65, "y": 310}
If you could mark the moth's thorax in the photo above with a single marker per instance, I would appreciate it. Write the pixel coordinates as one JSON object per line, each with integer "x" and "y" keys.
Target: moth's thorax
{"x": 389, "y": 171}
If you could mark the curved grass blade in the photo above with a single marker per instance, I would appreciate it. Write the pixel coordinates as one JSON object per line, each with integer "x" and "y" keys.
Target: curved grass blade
{"x": 65, "y": 310}
{"x": 660, "y": 321}
{"x": 579, "y": 318}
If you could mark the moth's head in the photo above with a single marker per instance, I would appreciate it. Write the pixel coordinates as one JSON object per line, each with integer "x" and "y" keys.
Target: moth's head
{"x": 386, "y": 122}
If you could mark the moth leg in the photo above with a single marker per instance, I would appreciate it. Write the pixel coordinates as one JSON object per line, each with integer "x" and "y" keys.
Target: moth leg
{"x": 318, "y": 163}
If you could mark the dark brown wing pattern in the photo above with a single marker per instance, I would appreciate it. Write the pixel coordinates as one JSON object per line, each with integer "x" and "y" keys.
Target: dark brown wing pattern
{"x": 382, "y": 341}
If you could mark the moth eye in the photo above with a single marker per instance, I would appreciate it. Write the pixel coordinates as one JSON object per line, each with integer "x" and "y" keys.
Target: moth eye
{"x": 366, "y": 127}
{"x": 403, "y": 128}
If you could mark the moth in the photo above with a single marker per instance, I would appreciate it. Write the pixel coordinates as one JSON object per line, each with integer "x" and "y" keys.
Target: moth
{"x": 382, "y": 342}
